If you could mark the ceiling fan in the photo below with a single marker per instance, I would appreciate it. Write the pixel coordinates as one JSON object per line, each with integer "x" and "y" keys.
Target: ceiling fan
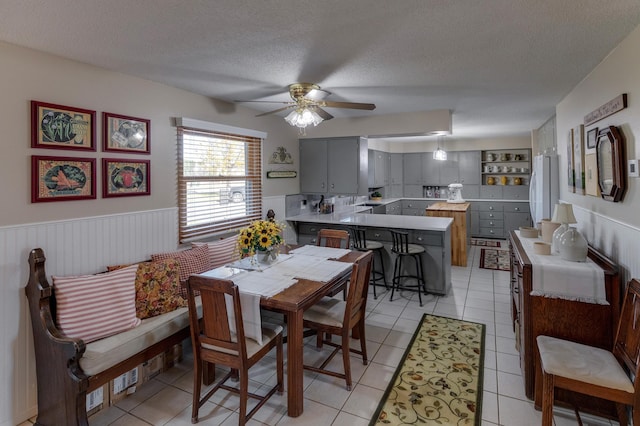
{"x": 308, "y": 105}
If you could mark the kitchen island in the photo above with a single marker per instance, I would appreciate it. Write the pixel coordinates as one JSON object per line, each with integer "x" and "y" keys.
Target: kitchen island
{"x": 433, "y": 233}
{"x": 460, "y": 230}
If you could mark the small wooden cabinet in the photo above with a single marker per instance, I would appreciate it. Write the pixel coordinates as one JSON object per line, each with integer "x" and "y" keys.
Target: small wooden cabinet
{"x": 587, "y": 323}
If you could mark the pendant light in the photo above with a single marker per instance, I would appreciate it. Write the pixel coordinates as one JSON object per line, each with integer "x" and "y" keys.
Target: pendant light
{"x": 440, "y": 154}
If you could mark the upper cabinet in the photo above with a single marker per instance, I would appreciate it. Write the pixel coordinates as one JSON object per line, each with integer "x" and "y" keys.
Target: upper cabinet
{"x": 333, "y": 166}
{"x": 459, "y": 167}
{"x": 378, "y": 168}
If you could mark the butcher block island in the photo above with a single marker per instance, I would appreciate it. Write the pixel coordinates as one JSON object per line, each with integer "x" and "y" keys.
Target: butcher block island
{"x": 460, "y": 229}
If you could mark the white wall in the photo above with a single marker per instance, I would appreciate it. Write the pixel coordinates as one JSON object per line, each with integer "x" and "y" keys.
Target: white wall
{"x": 27, "y": 75}
{"x": 612, "y": 227}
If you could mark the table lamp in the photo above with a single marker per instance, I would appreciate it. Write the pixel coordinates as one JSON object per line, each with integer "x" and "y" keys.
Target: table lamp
{"x": 563, "y": 214}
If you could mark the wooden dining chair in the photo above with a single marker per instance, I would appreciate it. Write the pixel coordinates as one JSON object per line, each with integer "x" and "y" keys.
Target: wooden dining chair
{"x": 214, "y": 342}
{"x": 594, "y": 371}
{"x": 331, "y": 316}
{"x": 335, "y": 238}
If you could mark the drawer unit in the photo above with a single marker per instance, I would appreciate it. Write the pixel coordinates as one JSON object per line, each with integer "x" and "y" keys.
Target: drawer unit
{"x": 309, "y": 228}
{"x": 491, "y": 232}
{"x": 484, "y": 223}
{"x": 425, "y": 238}
{"x": 415, "y": 204}
{"x": 394, "y": 208}
{"x": 516, "y": 207}
{"x": 491, "y": 215}
{"x": 489, "y": 206}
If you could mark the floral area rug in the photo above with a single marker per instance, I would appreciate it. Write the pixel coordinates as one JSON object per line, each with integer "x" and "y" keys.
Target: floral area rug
{"x": 486, "y": 243}
{"x": 495, "y": 259}
{"x": 439, "y": 380}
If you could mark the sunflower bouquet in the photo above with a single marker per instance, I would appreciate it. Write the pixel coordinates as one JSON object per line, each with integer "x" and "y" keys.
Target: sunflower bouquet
{"x": 260, "y": 236}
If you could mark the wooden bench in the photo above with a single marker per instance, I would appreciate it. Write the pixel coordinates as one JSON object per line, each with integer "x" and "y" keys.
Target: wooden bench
{"x": 62, "y": 382}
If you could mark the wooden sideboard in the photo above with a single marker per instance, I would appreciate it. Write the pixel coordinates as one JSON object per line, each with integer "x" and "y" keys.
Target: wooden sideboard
{"x": 460, "y": 229}
{"x": 587, "y": 323}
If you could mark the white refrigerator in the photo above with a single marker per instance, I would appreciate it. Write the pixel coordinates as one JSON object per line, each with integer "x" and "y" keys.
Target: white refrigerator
{"x": 544, "y": 187}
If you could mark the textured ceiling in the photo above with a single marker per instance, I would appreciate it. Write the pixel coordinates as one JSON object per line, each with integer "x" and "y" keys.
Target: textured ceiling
{"x": 500, "y": 66}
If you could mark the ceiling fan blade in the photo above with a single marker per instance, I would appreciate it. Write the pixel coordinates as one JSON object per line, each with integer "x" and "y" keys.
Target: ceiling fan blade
{"x": 275, "y": 110}
{"x": 322, "y": 113}
{"x": 317, "y": 94}
{"x": 268, "y": 102}
{"x": 351, "y": 105}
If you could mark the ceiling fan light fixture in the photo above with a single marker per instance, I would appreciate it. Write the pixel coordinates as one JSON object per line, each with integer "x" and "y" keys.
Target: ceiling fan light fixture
{"x": 303, "y": 117}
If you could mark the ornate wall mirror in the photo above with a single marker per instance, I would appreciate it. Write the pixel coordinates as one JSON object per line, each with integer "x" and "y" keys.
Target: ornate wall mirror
{"x": 611, "y": 165}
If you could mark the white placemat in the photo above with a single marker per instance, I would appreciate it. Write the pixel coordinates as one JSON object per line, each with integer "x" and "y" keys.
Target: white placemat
{"x": 553, "y": 276}
{"x": 319, "y": 251}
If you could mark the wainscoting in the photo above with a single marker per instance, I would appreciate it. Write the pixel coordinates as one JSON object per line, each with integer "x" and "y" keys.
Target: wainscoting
{"x": 619, "y": 241}
{"x": 72, "y": 247}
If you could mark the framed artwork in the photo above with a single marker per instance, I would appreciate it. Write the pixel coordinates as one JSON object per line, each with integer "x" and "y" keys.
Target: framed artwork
{"x": 62, "y": 178}
{"x": 592, "y": 140}
{"x": 126, "y": 134}
{"x": 570, "y": 169}
{"x": 578, "y": 159}
{"x": 125, "y": 177}
{"x": 591, "y": 175}
{"x": 62, "y": 127}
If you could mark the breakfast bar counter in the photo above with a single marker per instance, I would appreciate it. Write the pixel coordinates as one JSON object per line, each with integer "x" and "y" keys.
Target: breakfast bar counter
{"x": 433, "y": 233}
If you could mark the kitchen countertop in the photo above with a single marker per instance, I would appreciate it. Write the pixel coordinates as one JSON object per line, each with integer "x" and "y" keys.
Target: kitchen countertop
{"x": 355, "y": 216}
{"x": 449, "y": 207}
{"x": 386, "y": 201}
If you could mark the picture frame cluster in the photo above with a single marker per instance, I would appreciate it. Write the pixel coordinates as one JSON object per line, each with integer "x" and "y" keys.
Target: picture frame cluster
{"x": 65, "y": 178}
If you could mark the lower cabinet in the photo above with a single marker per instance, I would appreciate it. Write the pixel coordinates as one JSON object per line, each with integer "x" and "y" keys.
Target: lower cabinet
{"x": 496, "y": 219}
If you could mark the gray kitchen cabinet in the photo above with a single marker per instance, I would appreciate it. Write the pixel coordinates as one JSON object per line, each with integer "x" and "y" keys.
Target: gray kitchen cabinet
{"x": 394, "y": 208}
{"x": 333, "y": 166}
{"x": 490, "y": 191}
{"x": 413, "y": 191}
{"x": 491, "y": 219}
{"x": 396, "y": 191}
{"x": 515, "y": 192}
{"x": 378, "y": 168}
{"x": 412, "y": 169}
{"x": 448, "y": 169}
{"x": 414, "y": 207}
{"x": 515, "y": 216}
{"x": 469, "y": 167}
{"x": 430, "y": 170}
{"x": 395, "y": 169}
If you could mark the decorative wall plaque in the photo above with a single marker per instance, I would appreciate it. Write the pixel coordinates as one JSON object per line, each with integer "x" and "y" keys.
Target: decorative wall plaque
{"x": 614, "y": 105}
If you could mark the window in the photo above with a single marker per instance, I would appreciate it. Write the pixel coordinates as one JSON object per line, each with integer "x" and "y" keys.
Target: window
{"x": 219, "y": 181}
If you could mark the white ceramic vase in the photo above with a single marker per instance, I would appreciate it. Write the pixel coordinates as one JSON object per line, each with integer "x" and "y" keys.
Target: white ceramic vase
{"x": 573, "y": 246}
{"x": 557, "y": 234}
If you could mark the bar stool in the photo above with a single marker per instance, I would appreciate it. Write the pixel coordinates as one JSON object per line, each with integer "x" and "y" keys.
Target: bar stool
{"x": 402, "y": 249}
{"x": 360, "y": 243}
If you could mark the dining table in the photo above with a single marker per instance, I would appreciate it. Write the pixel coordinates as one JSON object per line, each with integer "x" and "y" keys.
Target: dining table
{"x": 303, "y": 290}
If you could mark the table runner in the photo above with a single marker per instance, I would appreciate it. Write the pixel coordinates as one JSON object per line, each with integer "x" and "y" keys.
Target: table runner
{"x": 255, "y": 281}
{"x": 555, "y": 277}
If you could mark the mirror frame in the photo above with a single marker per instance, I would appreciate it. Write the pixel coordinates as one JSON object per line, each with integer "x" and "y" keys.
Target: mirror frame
{"x": 611, "y": 135}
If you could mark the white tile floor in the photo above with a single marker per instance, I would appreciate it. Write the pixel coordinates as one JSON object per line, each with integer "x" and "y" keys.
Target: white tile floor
{"x": 478, "y": 295}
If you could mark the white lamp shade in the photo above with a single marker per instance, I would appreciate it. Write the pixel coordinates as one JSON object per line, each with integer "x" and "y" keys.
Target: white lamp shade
{"x": 563, "y": 213}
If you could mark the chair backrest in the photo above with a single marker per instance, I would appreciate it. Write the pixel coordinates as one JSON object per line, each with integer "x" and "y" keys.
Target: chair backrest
{"x": 336, "y": 238}
{"x": 358, "y": 290}
{"x": 400, "y": 241}
{"x": 627, "y": 344}
{"x": 359, "y": 237}
{"x": 214, "y": 328}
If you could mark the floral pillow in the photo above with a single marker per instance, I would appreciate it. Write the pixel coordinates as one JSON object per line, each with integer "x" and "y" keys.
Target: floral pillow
{"x": 157, "y": 288}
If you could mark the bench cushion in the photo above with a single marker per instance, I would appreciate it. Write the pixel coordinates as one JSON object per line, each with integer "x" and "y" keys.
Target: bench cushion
{"x": 105, "y": 353}
{"x": 91, "y": 307}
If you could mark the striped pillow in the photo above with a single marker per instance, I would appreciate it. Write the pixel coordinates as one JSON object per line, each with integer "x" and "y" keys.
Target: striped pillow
{"x": 192, "y": 261}
{"x": 221, "y": 252}
{"x": 91, "y": 307}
